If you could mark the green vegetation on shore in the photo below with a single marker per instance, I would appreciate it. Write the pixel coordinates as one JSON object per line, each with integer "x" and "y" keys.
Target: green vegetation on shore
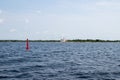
{"x": 92, "y": 40}
{"x": 74, "y": 40}
{"x": 30, "y": 40}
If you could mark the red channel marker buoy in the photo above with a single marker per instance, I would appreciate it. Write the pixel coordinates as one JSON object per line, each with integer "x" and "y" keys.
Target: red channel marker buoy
{"x": 27, "y": 44}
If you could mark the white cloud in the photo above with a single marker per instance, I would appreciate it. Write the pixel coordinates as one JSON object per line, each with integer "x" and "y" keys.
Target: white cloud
{"x": 45, "y": 32}
{"x": 38, "y": 11}
{"x": 0, "y": 11}
{"x": 37, "y": 32}
{"x": 1, "y": 21}
{"x": 108, "y": 3}
{"x": 93, "y": 5}
{"x": 13, "y": 30}
{"x": 27, "y": 20}
{"x": 102, "y": 3}
{"x": 84, "y": 21}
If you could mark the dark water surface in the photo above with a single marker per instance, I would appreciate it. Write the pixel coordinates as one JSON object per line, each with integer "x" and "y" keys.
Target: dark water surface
{"x": 59, "y": 61}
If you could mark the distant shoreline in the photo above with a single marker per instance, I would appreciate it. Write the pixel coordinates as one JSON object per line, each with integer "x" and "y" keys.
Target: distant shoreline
{"x": 75, "y": 40}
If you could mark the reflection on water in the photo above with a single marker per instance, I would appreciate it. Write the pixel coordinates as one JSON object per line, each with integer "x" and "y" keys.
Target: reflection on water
{"x": 59, "y": 61}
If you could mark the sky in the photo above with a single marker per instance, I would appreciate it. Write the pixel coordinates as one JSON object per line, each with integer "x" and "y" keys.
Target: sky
{"x": 55, "y": 19}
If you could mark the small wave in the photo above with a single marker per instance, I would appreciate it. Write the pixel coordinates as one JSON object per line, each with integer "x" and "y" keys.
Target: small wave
{"x": 23, "y": 75}
{"x": 20, "y": 75}
{"x": 58, "y": 51}
{"x": 103, "y": 73}
{"x": 32, "y": 68}
{"x": 117, "y": 74}
{"x": 47, "y": 74}
{"x": 97, "y": 75}
{"x": 2, "y": 56}
{"x": 14, "y": 60}
{"x": 82, "y": 75}
{"x": 12, "y": 71}
{"x": 5, "y": 76}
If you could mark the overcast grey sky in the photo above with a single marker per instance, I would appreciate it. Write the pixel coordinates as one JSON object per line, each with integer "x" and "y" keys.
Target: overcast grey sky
{"x": 54, "y": 19}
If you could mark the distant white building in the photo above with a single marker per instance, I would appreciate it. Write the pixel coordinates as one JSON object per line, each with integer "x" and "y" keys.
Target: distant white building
{"x": 63, "y": 40}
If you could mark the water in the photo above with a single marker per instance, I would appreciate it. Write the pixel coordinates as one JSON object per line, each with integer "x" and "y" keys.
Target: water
{"x": 59, "y": 61}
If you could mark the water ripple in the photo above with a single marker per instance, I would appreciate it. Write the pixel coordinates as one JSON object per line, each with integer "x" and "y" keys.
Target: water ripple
{"x": 60, "y": 61}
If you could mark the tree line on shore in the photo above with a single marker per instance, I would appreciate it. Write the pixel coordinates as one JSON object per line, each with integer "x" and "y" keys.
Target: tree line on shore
{"x": 74, "y": 40}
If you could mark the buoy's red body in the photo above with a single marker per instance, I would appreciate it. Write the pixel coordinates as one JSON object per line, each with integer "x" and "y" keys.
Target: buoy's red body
{"x": 27, "y": 44}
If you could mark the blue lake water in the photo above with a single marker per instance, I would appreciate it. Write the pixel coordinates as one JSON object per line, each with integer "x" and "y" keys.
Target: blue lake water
{"x": 60, "y": 61}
